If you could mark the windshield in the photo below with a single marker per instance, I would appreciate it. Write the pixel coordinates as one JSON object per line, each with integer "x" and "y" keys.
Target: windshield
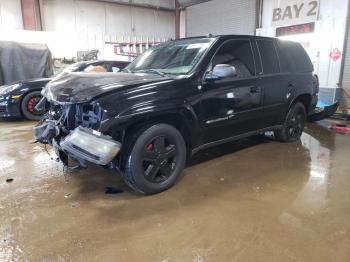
{"x": 71, "y": 68}
{"x": 174, "y": 57}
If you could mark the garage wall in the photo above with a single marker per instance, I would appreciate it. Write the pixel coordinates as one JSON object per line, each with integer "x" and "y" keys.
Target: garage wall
{"x": 107, "y": 18}
{"x": 10, "y": 15}
{"x": 327, "y": 37}
{"x": 221, "y": 17}
{"x": 346, "y": 74}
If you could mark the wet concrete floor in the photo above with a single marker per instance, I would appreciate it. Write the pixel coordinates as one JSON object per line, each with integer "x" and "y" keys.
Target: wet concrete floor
{"x": 252, "y": 200}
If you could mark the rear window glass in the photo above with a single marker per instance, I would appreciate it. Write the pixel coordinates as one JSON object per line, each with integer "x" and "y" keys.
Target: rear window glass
{"x": 295, "y": 56}
{"x": 269, "y": 56}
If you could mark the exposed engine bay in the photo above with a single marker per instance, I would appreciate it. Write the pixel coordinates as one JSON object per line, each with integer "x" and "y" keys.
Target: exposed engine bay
{"x": 72, "y": 129}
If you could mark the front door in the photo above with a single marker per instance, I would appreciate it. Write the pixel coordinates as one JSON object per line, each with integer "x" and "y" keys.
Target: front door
{"x": 231, "y": 105}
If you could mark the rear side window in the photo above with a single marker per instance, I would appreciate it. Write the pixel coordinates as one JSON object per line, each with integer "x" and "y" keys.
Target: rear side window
{"x": 268, "y": 56}
{"x": 298, "y": 59}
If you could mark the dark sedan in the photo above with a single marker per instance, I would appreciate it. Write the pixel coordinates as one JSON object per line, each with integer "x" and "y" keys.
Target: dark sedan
{"x": 20, "y": 98}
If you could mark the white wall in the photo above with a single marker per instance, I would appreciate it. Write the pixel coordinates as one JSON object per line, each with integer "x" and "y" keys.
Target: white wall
{"x": 78, "y": 25}
{"x": 10, "y": 15}
{"x": 106, "y": 18}
{"x": 328, "y": 35}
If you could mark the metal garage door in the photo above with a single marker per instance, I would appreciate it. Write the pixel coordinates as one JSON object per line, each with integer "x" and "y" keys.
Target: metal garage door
{"x": 221, "y": 17}
{"x": 346, "y": 75}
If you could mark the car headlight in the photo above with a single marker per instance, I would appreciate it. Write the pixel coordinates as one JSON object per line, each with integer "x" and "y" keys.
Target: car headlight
{"x": 91, "y": 145}
{"x": 7, "y": 89}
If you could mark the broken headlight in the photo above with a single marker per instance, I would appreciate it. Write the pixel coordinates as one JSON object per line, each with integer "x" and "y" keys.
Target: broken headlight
{"x": 90, "y": 145}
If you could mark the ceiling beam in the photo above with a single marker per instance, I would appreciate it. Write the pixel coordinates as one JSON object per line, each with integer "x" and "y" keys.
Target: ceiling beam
{"x": 133, "y": 4}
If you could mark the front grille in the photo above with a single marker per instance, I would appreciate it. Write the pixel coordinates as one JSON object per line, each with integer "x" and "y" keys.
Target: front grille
{"x": 3, "y": 109}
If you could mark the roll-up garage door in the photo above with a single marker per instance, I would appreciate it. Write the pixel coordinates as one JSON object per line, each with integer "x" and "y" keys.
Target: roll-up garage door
{"x": 221, "y": 17}
{"x": 346, "y": 74}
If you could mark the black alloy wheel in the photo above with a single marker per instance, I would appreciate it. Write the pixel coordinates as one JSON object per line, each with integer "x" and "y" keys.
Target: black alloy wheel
{"x": 294, "y": 124}
{"x": 157, "y": 158}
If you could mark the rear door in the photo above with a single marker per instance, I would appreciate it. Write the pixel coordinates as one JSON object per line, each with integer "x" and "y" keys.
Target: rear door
{"x": 232, "y": 106}
{"x": 275, "y": 80}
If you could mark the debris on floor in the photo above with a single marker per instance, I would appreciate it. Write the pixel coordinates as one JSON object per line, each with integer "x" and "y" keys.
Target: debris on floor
{"x": 341, "y": 128}
{"x": 67, "y": 195}
{"x": 9, "y": 180}
{"x": 113, "y": 190}
{"x": 74, "y": 204}
{"x": 323, "y": 110}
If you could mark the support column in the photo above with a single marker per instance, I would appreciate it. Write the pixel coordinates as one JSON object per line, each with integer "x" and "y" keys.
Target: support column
{"x": 177, "y": 19}
{"x": 32, "y": 15}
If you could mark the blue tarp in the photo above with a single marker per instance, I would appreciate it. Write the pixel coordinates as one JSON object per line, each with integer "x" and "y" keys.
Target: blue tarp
{"x": 321, "y": 104}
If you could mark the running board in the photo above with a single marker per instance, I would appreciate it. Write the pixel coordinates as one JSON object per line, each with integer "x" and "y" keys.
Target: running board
{"x": 233, "y": 138}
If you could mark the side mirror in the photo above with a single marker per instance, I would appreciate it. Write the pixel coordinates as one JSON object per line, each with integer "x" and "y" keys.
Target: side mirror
{"x": 210, "y": 77}
{"x": 221, "y": 71}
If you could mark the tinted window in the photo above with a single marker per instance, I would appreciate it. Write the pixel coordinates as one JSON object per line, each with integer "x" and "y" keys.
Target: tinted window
{"x": 268, "y": 56}
{"x": 237, "y": 53}
{"x": 298, "y": 60}
{"x": 285, "y": 63}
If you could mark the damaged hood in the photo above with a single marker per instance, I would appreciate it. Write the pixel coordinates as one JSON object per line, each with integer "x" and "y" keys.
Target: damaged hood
{"x": 82, "y": 87}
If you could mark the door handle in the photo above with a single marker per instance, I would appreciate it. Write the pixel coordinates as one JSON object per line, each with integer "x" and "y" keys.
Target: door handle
{"x": 254, "y": 89}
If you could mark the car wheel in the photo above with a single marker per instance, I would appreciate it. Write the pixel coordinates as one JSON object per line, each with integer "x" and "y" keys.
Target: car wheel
{"x": 294, "y": 124}
{"x": 28, "y": 104}
{"x": 156, "y": 159}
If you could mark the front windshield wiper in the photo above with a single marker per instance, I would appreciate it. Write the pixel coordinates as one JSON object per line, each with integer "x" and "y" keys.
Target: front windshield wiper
{"x": 155, "y": 71}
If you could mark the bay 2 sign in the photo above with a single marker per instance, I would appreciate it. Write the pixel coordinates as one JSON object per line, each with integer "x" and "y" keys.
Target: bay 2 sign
{"x": 293, "y": 12}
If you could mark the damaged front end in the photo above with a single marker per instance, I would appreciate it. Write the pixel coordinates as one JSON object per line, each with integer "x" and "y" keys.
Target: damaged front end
{"x": 72, "y": 130}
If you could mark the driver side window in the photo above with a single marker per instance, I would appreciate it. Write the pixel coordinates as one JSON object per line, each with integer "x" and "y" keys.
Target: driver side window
{"x": 237, "y": 53}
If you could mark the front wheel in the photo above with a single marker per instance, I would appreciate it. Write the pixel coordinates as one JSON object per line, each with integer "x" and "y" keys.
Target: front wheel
{"x": 156, "y": 159}
{"x": 294, "y": 124}
{"x": 28, "y": 104}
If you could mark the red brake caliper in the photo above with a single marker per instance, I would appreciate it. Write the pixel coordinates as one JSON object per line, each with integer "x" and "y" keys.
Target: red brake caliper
{"x": 30, "y": 104}
{"x": 149, "y": 147}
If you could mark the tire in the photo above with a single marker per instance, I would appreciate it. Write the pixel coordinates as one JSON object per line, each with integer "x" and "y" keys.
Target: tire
{"x": 28, "y": 104}
{"x": 294, "y": 124}
{"x": 156, "y": 159}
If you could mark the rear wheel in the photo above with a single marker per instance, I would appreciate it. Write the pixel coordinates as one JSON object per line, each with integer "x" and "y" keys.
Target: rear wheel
{"x": 294, "y": 124}
{"x": 156, "y": 159}
{"x": 28, "y": 104}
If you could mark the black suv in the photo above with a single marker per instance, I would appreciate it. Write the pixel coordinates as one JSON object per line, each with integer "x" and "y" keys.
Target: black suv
{"x": 176, "y": 99}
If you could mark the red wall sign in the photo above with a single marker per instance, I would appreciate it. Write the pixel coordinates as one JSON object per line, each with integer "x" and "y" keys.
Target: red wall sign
{"x": 335, "y": 54}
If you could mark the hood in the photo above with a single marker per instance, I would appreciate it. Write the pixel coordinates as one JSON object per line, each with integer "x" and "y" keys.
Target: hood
{"x": 29, "y": 81}
{"x": 22, "y": 85}
{"x": 82, "y": 87}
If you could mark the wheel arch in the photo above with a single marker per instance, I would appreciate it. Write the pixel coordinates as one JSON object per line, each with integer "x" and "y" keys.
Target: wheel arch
{"x": 179, "y": 120}
{"x": 305, "y": 99}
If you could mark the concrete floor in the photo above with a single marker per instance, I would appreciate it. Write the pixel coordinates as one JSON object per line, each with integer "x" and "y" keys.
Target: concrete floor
{"x": 252, "y": 200}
